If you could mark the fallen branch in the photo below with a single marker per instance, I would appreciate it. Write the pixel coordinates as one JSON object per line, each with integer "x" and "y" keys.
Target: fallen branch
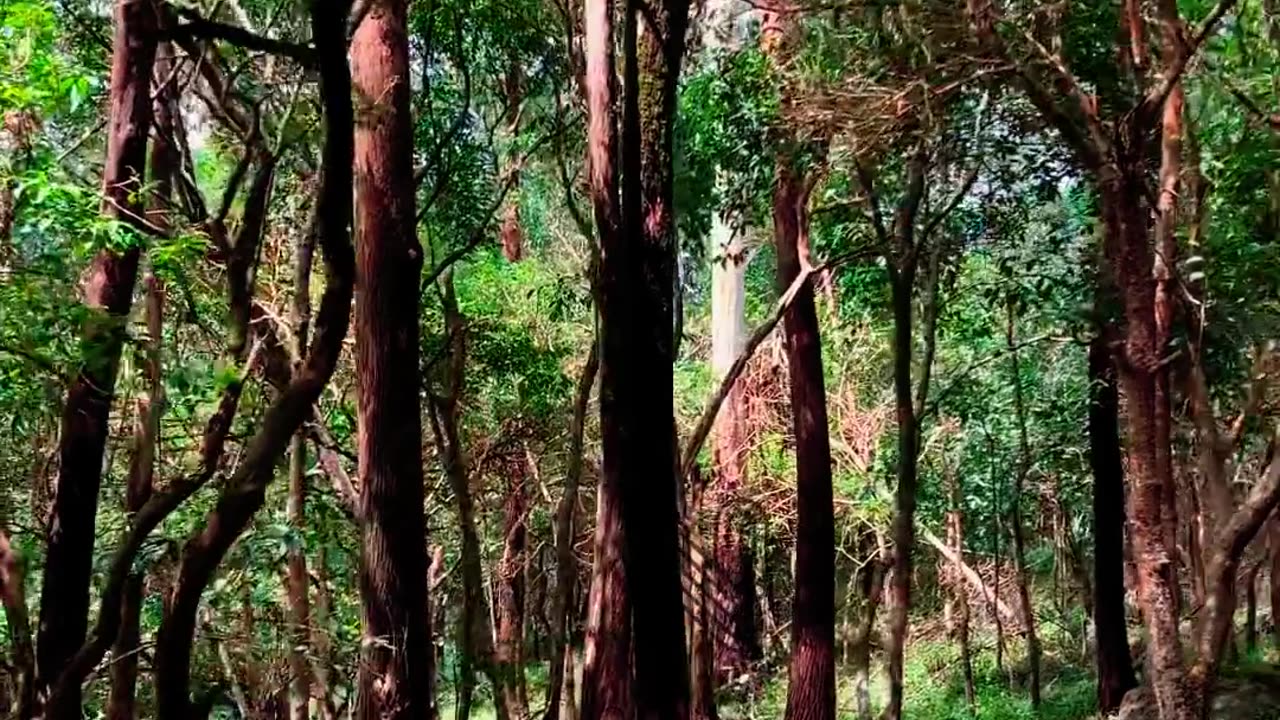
{"x": 700, "y": 432}
{"x": 969, "y": 573}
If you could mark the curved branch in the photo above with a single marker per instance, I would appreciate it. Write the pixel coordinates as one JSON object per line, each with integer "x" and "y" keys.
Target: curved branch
{"x": 197, "y": 26}
{"x": 689, "y": 457}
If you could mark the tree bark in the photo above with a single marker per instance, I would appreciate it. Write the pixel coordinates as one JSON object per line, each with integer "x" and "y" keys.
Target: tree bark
{"x": 606, "y": 672}
{"x": 733, "y": 625}
{"x": 301, "y": 686}
{"x": 1273, "y": 575}
{"x": 638, "y": 352}
{"x": 1019, "y": 481}
{"x": 1224, "y": 562}
{"x": 124, "y": 651}
{"x": 1251, "y": 608}
{"x": 396, "y": 670}
{"x": 1111, "y": 635}
{"x": 13, "y": 593}
{"x": 162, "y": 161}
{"x": 811, "y": 694}
{"x": 245, "y": 490}
{"x": 871, "y": 581}
{"x": 1165, "y": 259}
{"x": 1127, "y": 245}
{"x": 108, "y": 293}
{"x": 509, "y": 650}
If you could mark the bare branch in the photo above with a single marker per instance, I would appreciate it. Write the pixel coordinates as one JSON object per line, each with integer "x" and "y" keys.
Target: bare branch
{"x": 197, "y": 26}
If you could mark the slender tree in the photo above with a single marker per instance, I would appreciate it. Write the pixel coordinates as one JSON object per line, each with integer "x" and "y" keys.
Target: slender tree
{"x": 108, "y": 293}
{"x": 244, "y": 492}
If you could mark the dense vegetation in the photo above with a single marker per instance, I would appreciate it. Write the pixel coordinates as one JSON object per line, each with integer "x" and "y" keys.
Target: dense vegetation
{"x": 639, "y": 359}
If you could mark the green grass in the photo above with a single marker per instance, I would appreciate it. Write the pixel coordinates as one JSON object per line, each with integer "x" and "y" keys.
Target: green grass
{"x": 934, "y": 687}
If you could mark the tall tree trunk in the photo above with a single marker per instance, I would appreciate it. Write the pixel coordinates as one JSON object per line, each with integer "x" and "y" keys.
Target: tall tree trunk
{"x": 1273, "y": 576}
{"x": 905, "y": 497}
{"x": 396, "y": 670}
{"x": 1251, "y": 608}
{"x": 733, "y": 583}
{"x": 1019, "y": 481}
{"x": 509, "y": 646}
{"x": 124, "y": 651}
{"x": 701, "y": 605}
{"x": 1127, "y": 243}
{"x": 245, "y": 491}
{"x": 1165, "y": 259}
{"x": 1111, "y": 634}
{"x": 811, "y": 694}
{"x": 108, "y": 293}
{"x": 638, "y": 352}
{"x": 566, "y": 564}
{"x": 871, "y": 579}
{"x": 606, "y": 671}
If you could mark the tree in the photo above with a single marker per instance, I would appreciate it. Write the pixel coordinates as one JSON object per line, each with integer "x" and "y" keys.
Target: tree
{"x": 64, "y": 597}
{"x": 396, "y": 672}
{"x": 637, "y": 237}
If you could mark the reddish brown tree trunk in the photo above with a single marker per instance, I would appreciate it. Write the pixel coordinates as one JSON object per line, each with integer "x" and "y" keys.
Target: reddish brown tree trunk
{"x": 871, "y": 587}
{"x": 509, "y": 644}
{"x": 905, "y": 497}
{"x": 1127, "y": 243}
{"x": 1251, "y": 608}
{"x": 1273, "y": 575}
{"x": 639, "y": 481}
{"x": 108, "y": 292}
{"x": 606, "y": 676}
{"x": 1165, "y": 259}
{"x": 638, "y": 352}
{"x": 1111, "y": 633}
{"x": 396, "y": 669}
{"x": 163, "y": 160}
{"x": 299, "y": 596}
{"x": 124, "y": 652}
{"x": 811, "y": 694}
{"x": 738, "y": 641}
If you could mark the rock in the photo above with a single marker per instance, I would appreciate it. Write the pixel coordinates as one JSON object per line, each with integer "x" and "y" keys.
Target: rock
{"x": 1235, "y": 699}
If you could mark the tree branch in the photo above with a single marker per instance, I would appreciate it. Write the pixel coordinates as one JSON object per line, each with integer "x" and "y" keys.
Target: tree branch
{"x": 702, "y": 429}
{"x": 197, "y": 26}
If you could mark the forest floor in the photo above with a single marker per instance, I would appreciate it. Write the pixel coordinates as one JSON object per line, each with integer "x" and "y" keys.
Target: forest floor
{"x": 1248, "y": 689}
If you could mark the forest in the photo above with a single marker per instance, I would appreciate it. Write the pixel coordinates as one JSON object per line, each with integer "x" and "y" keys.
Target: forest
{"x": 339, "y": 340}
